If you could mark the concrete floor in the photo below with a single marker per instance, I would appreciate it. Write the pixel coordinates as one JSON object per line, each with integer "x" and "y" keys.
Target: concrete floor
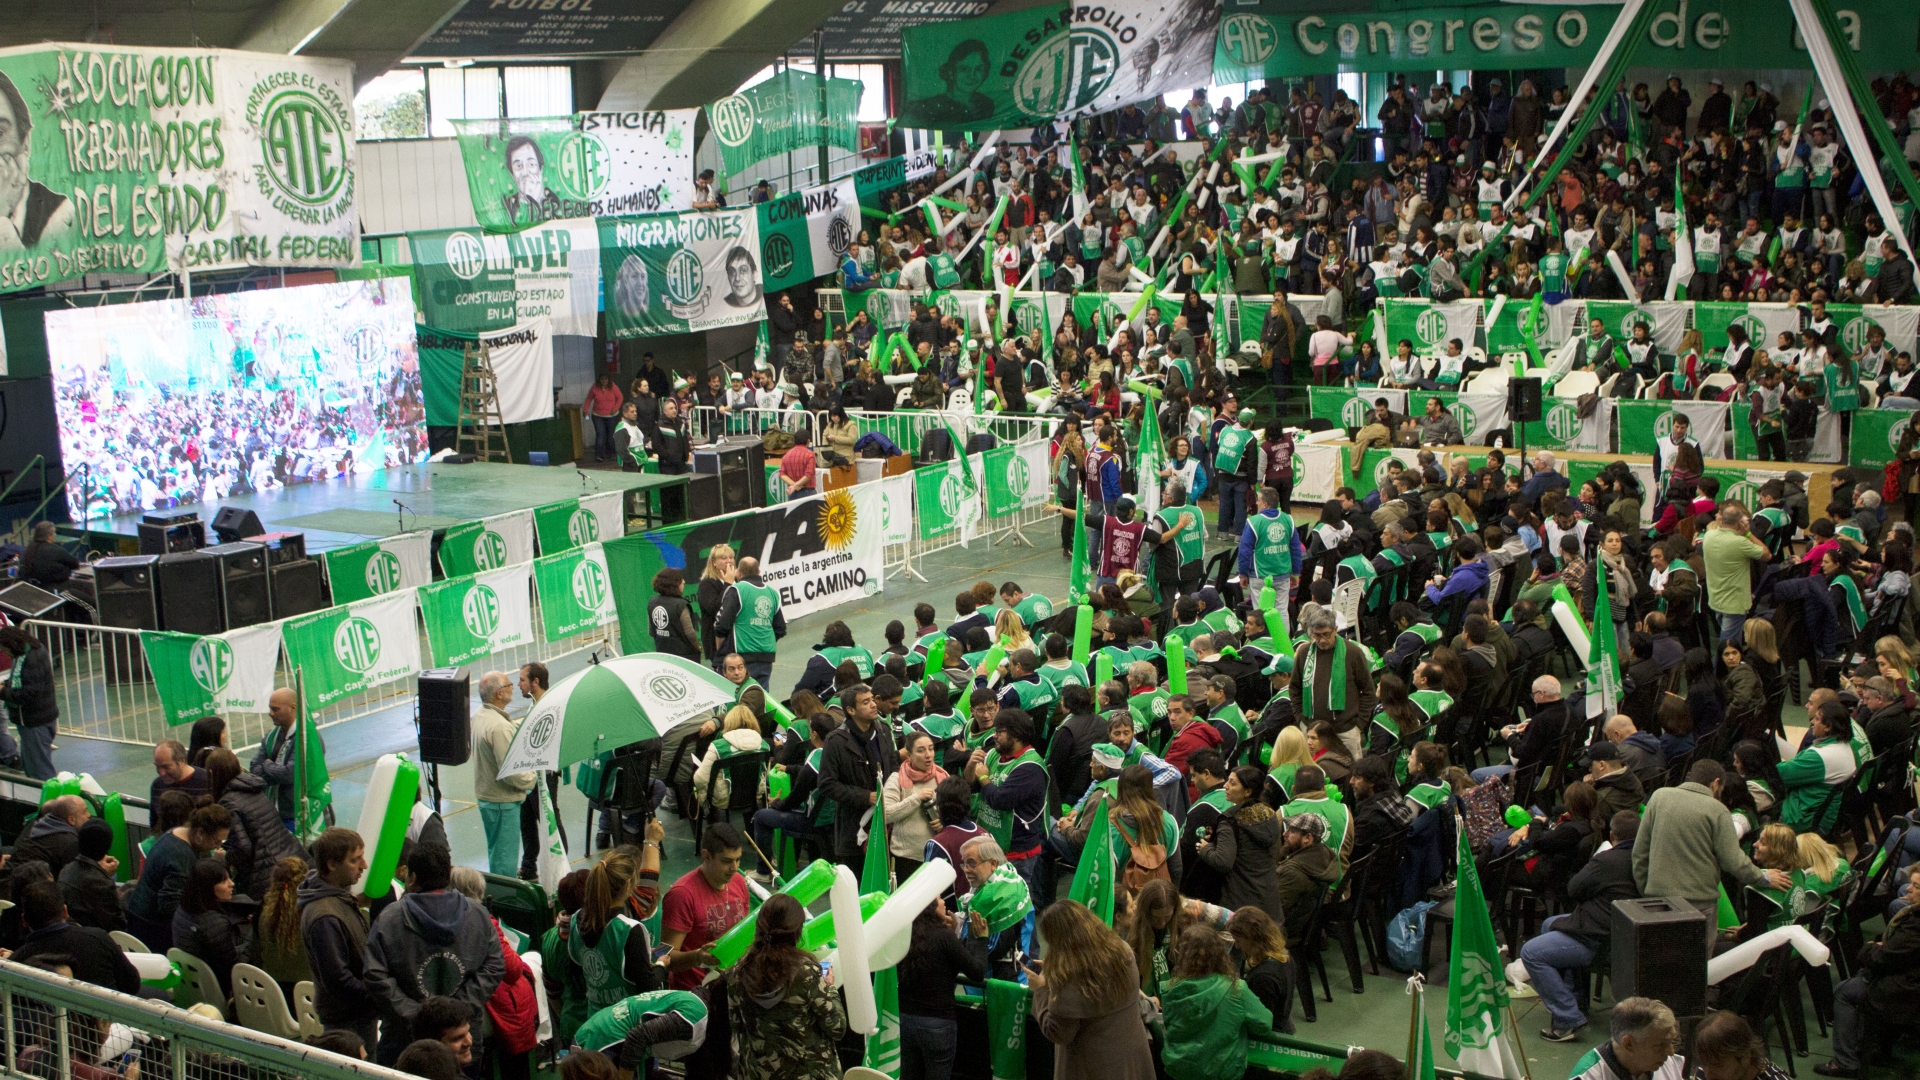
{"x": 1376, "y": 1018}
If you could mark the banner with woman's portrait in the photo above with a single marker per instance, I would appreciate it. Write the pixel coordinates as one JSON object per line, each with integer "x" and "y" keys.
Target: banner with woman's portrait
{"x": 678, "y": 273}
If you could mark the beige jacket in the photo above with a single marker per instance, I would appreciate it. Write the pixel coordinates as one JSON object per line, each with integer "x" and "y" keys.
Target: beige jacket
{"x": 908, "y": 816}
{"x": 492, "y": 732}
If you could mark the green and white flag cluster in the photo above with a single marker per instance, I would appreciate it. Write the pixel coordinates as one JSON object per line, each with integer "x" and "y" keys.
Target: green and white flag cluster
{"x": 472, "y": 617}
{"x": 525, "y": 171}
{"x": 210, "y": 676}
{"x": 1477, "y": 1034}
{"x": 344, "y": 650}
{"x": 1428, "y": 325}
{"x": 377, "y": 567}
{"x": 1604, "y": 681}
{"x": 576, "y": 592}
{"x": 316, "y": 788}
{"x": 680, "y": 273}
{"x": 1153, "y": 455}
{"x": 571, "y": 523}
{"x": 487, "y": 544}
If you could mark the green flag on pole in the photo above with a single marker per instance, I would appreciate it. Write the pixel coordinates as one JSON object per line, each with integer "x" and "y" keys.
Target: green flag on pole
{"x": 1419, "y": 1034}
{"x": 1080, "y": 572}
{"x": 316, "y": 787}
{"x": 883, "y": 1046}
{"x": 1153, "y": 455}
{"x": 1093, "y": 877}
{"x": 1477, "y": 999}
{"x": 1603, "y": 653}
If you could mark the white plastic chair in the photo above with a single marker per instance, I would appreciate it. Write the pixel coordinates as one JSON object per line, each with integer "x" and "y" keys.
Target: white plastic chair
{"x": 1576, "y": 383}
{"x": 127, "y": 942}
{"x": 261, "y": 1005}
{"x": 1346, "y": 604}
{"x": 304, "y": 1010}
{"x": 1490, "y": 381}
{"x": 1606, "y": 388}
{"x": 198, "y": 984}
{"x": 1714, "y": 385}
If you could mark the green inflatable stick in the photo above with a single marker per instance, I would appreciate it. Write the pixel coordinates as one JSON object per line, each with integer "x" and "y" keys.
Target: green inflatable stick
{"x": 937, "y": 655}
{"x": 806, "y": 886}
{"x": 116, "y": 816}
{"x": 1082, "y": 632}
{"x": 1176, "y": 667}
{"x": 384, "y": 850}
{"x": 818, "y": 932}
{"x": 1103, "y": 668}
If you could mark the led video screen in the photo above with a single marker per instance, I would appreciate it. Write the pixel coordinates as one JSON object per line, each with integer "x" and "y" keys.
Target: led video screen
{"x": 186, "y": 402}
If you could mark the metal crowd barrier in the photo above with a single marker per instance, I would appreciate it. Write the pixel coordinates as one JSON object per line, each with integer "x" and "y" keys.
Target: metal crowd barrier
{"x": 62, "y": 1029}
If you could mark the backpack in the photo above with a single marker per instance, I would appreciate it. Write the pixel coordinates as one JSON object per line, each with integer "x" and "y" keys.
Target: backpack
{"x": 1407, "y": 936}
{"x": 1145, "y": 862}
{"x": 1484, "y": 808}
{"x": 776, "y": 441}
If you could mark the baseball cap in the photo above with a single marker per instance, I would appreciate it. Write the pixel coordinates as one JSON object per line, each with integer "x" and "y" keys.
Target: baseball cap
{"x": 1603, "y": 751}
{"x": 1246, "y": 415}
{"x": 1109, "y": 755}
{"x": 1279, "y": 665}
{"x": 1779, "y": 125}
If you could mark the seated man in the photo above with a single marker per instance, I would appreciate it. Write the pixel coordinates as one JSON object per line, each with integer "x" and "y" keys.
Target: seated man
{"x": 1533, "y": 739}
{"x": 795, "y": 814}
{"x": 1567, "y": 943}
{"x": 1813, "y": 775}
{"x": 1644, "y": 1038}
{"x": 1469, "y": 578}
{"x": 1306, "y": 864}
{"x": 1417, "y": 634}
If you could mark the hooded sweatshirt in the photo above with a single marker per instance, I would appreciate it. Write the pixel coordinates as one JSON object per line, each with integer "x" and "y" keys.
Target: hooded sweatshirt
{"x": 1208, "y": 1023}
{"x": 432, "y": 943}
{"x": 334, "y": 930}
{"x": 1243, "y": 850}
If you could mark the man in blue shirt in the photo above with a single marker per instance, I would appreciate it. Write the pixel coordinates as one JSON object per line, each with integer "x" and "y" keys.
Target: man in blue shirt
{"x": 1545, "y": 478}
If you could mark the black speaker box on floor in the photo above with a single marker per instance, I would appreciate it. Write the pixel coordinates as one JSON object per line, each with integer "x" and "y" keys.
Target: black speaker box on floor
{"x": 1523, "y": 400}
{"x": 703, "y": 496}
{"x": 127, "y": 592}
{"x": 297, "y": 588}
{"x": 936, "y": 445}
{"x": 233, "y": 523}
{"x": 190, "y": 593}
{"x": 1660, "y": 951}
{"x": 446, "y": 718}
{"x": 244, "y": 597}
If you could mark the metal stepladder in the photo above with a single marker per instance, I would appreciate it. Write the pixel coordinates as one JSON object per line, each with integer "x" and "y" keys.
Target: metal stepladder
{"x": 483, "y": 430}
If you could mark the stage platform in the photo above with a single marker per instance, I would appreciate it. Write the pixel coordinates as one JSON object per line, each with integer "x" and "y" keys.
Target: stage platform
{"x": 337, "y": 513}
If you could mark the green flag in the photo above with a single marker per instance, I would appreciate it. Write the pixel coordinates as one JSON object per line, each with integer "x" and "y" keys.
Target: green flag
{"x": 1419, "y": 1034}
{"x": 1603, "y": 652}
{"x": 1476, "y": 984}
{"x": 316, "y": 787}
{"x": 1080, "y": 573}
{"x": 1093, "y": 876}
{"x": 782, "y": 114}
{"x": 1007, "y": 1004}
{"x": 1153, "y": 455}
{"x": 883, "y": 1046}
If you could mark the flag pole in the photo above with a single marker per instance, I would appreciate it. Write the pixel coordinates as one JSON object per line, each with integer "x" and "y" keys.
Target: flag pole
{"x": 299, "y": 736}
{"x": 1416, "y": 983}
{"x": 1519, "y": 1048}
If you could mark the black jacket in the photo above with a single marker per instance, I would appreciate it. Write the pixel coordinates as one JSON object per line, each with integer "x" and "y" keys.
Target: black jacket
{"x": 50, "y": 839}
{"x": 94, "y": 957}
{"x": 258, "y": 838}
{"x": 216, "y": 937}
{"x": 1070, "y": 756}
{"x": 851, "y": 770}
{"x": 334, "y": 931}
{"x": 1243, "y": 849}
{"x": 31, "y": 703}
{"x": 1607, "y": 877}
{"x": 91, "y": 897}
{"x": 1542, "y": 735}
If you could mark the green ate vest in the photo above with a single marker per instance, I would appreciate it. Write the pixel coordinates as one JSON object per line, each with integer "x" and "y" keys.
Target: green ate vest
{"x": 1073, "y": 674}
{"x": 1272, "y": 544}
{"x": 945, "y": 275}
{"x": 1035, "y": 697}
{"x": 608, "y": 1027}
{"x": 999, "y": 823}
{"x": 605, "y": 964}
{"x": 862, "y": 658}
{"x": 1843, "y": 394}
{"x": 1553, "y": 273}
{"x": 1191, "y": 542}
{"x": 753, "y": 627}
{"x": 1234, "y": 441}
{"x": 1034, "y": 610}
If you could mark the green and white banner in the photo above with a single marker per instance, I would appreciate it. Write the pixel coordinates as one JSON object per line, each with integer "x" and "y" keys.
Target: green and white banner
{"x": 571, "y": 523}
{"x": 376, "y": 567}
{"x": 1348, "y": 407}
{"x": 576, "y": 592}
{"x": 1054, "y": 62}
{"x": 679, "y": 273}
{"x": 1561, "y": 426}
{"x": 1429, "y": 325}
{"x": 888, "y": 309}
{"x": 806, "y": 235}
{"x": 1876, "y": 436}
{"x": 209, "y": 676}
{"x": 782, "y": 114}
{"x": 1644, "y": 423}
{"x": 1016, "y": 477}
{"x": 471, "y": 281}
{"x": 1762, "y": 322}
{"x": 528, "y": 170}
{"x": 1902, "y": 325}
{"x": 344, "y": 650}
{"x": 468, "y": 618}
{"x": 123, "y": 160}
{"x": 1666, "y": 320}
{"x": 945, "y": 501}
{"x": 488, "y": 544}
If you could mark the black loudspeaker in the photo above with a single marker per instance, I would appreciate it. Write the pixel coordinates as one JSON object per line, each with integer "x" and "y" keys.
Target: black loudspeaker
{"x": 297, "y": 588}
{"x": 127, "y": 597}
{"x": 190, "y": 593}
{"x": 742, "y": 472}
{"x": 703, "y": 497}
{"x": 1660, "y": 951}
{"x": 981, "y": 442}
{"x": 1523, "y": 400}
{"x": 244, "y": 597}
{"x": 232, "y": 523}
{"x": 283, "y": 547}
{"x": 164, "y": 534}
{"x": 446, "y": 718}
{"x": 936, "y": 445}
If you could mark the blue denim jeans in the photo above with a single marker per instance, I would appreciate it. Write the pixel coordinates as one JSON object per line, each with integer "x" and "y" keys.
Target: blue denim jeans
{"x": 1848, "y": 998}
{"x": 36, "y": 751}
{"x": 927, "y": 1047}
{"x": 1730, "y": 625}
{"x": 501, "y": 820}
{"x": 1233, "y": 505}
{"x": 1482, "y": 775}
{"x": 766, "y": 820}
{"x": 1548, "y": 959}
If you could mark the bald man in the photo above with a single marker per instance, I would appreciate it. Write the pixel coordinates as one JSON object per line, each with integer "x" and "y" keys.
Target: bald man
{"x": 273, "y": 762}
{"x": 55, "y": 834}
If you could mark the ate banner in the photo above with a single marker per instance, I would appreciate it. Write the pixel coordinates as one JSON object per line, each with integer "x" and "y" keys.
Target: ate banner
{"x": 1016, "y": 477}
{"x": 1055, "y": 62}
{"x": 1876, "y": 437}
{"x": 344, "y": 650}
{"x": 126, "y": 160}
{"x": 362, "y": 571}
{"x": 210, "y": 676}
{"x": 1644, "y": 423}
{"x": 946, "y": 498}
{"x": 781, "y": 114}
{"x": 679, "y": 273}
{"x": 1666, "y": 320}
{"x": 488, "y": 544}
{"x": 472, "y": 617}
{"x": 1764, "y": 323}
{"x": 468, "y": 281}
{"x": 576, "y": 593}
{"x": 528, "y": 170}
{"x": 887, "y": 309}
{"x": 806, "y": 235}
{"x": 1902, "y": 325}
{"x": 1561, "y": 427}
{"x": 1429, "y": 325}
{"x": 572, "y": 523}
{"x": 1349, "y": 408}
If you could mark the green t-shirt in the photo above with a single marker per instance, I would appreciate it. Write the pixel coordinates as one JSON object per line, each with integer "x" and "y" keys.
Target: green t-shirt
{"x": 1063, "y": 675}
{"x": 1553, "y": 272}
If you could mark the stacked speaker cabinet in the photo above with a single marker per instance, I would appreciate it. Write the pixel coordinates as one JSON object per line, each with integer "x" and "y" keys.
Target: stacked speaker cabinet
{"x": 1524, "y": 400}
{"x": 127, "y": 591}
{"x": 1660, "y": 951}
{"x": 244, "y": 595}
{"x": 741, "y": 467}
{"x": 190, "y": 593}
{"x": 297, "y": 588}
{"x": 446, "y": 718}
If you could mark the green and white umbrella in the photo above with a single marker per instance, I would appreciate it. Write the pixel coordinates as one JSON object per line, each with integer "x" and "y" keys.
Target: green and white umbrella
{"x": 613, "y": 703}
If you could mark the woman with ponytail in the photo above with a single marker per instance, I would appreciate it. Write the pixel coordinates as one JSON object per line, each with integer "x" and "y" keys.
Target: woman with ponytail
{"x": 786, "y": 1018}
{"x": 601, "y": 928}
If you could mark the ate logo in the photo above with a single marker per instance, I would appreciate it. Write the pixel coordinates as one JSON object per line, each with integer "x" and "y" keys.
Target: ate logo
{"x": 1854, "y": 334}
{"x": 1895, "y": 433}
{"x": 1464, "y": 414}
{"x": 583, "y": 528}
{"x": 304, "y": 148}
{"x": 1248, "y": 39}
{"x": 1430, "y": 327}
{"x": 356, "y": 645}
{"x": 1068, "y": 72}
{"x": 839, "y": 236}
{"x": 210, "y": 661}
{"x": 590, "y": 586}
{"x": 1276, "y": 533}
{"x": 1017, "y": 476}
{"x": 466, "y": 257}
{"x": 383, "y": 572}
{"x": 732, "y": 119}
{"x": 950, "y": 497}
{"x": 489, "y": 550}
{"x": 585, "y": 165}
{"x": 480, "y": 610}
{"x": 763, "y": 609}
{"x": 668, "y": 688}
{"x": 1354, "y": 413}
{"x": 777, "y": 256}
{"x": 1756, "y": 330}
{"x": 1744, "y": 492}
{"x": 685, "y": 277}
{"x": 1563, "y": 423}
{"x": 539, "y": 733}
{"x": 880, "y": 309}
{"x": 1637, "y": 317}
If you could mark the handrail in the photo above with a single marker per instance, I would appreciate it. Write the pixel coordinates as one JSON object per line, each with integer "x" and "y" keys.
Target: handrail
{"x": 38, "y": 459}
{"x": 177, "y": 1026}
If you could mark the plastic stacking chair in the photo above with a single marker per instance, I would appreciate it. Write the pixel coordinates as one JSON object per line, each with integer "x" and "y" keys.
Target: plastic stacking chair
{"x": 198, "y": 984}
{"x": 261, "y": 1006}
{"x": 304, "y": 1011}
{"x": 127, "y": 942}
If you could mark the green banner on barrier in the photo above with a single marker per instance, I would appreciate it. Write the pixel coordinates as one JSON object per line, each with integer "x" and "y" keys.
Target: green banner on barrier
{"x": 782, "y": 114}
{"x": 1876, "y": 436}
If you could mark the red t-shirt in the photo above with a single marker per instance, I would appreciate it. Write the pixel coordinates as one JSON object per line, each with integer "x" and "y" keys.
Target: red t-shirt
{"x": 703, "y": 914}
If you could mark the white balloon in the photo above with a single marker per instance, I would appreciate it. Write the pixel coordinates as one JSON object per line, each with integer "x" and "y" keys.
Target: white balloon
{"x": 853, "y": 977}
{"x": 1741, "y": 957}
{"x": 893, "y": 923}
{"x": 152, "y": 966}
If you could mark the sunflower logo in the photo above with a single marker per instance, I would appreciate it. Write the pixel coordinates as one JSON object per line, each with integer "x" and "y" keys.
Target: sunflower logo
{"x": 838, "y": 520}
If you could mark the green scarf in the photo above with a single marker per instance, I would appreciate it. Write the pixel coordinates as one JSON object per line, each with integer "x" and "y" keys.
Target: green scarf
{"x": 1336, "y": 685}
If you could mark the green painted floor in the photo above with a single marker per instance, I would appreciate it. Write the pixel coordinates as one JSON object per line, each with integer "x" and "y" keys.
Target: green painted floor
{"x": 1377, "y": 1018}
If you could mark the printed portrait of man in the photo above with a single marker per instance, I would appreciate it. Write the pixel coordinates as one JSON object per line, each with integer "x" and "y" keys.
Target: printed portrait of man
{"x": 743, "y": 278}
{"x": 34, "y": 214}
{"x": 527, "y": 165}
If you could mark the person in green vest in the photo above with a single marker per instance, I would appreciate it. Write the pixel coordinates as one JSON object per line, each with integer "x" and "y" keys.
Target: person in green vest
{"x": 1310, "y": 855}
{"x": 1813, "y": 774}
{"x": 751, "y": 623}
{"x": 611, "y": 948}
{"x": 1207, "y": 771}
{"x": 836, "y": 647}
{"x": 1840, "y": 387}
{"x": 1416, "y": 633}
{"x": 799, "y": 813}
{"x": 1032, "y": 608}
{"x": 1813, "y": 866}
{"x": 1223, "y": 712}
{"x": 665, "y": 1025}
{"x": 1012, "y": 786}
{"x": 1023, "y": 688}
{"x": 1332, "y": 682}
{"x": 1271, "y": 552}
{"x": 1187, "y": 624}
{"x": 1147, "y": 700}
{"x": 1060, "y": 669}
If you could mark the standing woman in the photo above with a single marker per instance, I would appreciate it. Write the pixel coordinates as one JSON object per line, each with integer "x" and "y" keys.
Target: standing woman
{"x": 209, "y": 734}
{"x": 929, "y": 1033}
{"x": 645, "y": 399}
{"x": 1620, "y": 587}
{"x": 671, "y": 618}
{"x": 258, "y": 838}
{"x": 1324, "y": 348}
{"x": 277, "y": 946}
{"x": 603, "y": 405}
{"x": 27, "y": 690}
{"x": 1276, "y": 454}
{"x": 713, "y": 590}
{"x": 908, "y": 802}
{"x": 1069, "y": 455}
{"x": 786, "y": 1018}
{"x": 1186, "y": 468}
{"x": 1087, "y": 1002}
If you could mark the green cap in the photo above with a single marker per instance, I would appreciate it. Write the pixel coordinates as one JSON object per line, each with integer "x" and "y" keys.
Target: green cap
{"x": 1279, "y": 665}
{"x": 1246, "y": 415}
{"x": 1109, "y": 755}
